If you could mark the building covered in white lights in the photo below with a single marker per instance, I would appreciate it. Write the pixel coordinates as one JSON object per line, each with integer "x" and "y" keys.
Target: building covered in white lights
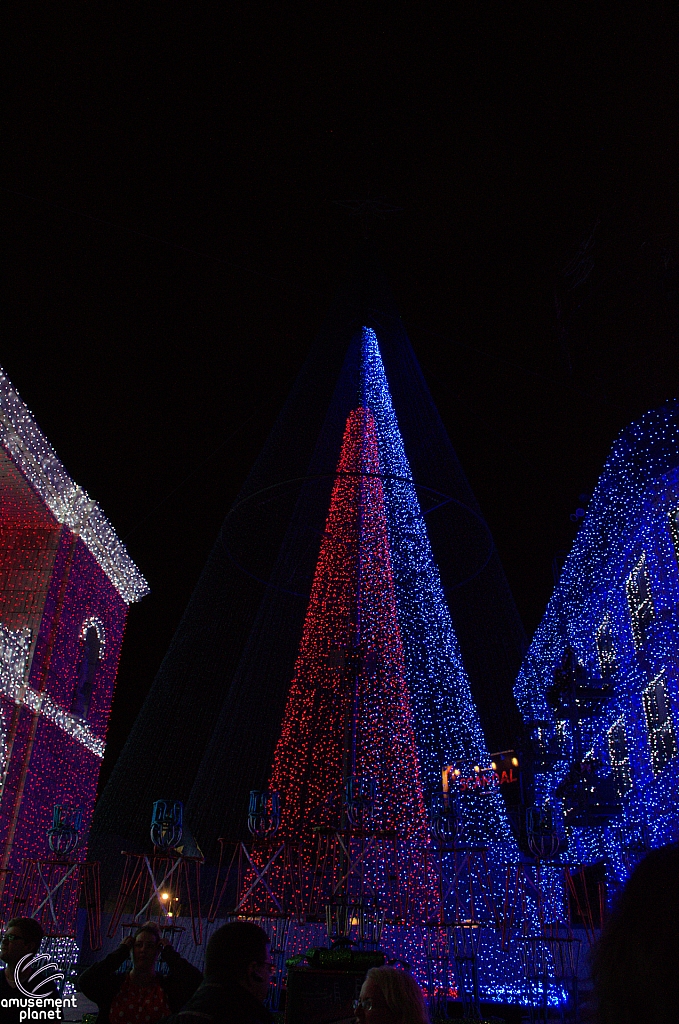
{"x": 599, "y": 685}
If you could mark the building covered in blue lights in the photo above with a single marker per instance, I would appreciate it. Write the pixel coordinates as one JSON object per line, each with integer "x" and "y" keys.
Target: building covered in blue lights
{"x": 599, "y": 685}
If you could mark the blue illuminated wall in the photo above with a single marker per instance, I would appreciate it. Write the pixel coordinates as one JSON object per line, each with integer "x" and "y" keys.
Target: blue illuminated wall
{"x": 617, "y": 606}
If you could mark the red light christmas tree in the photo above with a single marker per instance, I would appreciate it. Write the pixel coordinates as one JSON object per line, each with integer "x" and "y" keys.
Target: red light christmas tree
{"x": 342, "y": 845}
{"x": 348, "y": 709}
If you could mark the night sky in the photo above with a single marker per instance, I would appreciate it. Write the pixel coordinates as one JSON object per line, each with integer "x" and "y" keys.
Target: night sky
{"x": 172, "y": 241}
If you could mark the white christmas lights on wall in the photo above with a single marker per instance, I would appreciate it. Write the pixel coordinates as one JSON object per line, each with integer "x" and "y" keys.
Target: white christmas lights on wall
{"x": 14, "y": 650}
{"x": 69, "y": 503}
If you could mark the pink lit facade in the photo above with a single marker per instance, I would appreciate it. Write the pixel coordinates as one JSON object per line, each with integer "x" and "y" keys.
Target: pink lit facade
{"x": 65, "y": 586}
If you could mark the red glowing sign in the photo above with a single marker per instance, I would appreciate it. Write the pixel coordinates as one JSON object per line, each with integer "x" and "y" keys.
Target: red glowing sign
{"x": 503, "y": 770}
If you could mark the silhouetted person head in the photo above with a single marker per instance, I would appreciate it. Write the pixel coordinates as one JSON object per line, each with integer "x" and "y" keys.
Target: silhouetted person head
{"x": 22, "y": 935}
{"x": 146, "y": 945}
{"x": 389, "y": 996}
{"x": 238, "y": 953}
{"x": 636, "y": 962}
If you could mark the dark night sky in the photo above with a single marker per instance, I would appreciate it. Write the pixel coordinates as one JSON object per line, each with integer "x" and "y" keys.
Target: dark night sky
{"x": 171, "y": 246}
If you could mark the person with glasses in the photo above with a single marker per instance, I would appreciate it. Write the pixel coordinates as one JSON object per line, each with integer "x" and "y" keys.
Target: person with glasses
{"x": 389, "y": 996}
{"x": 22, "y": 936}
{"x": 238, "y": 975}
{"x": 139, "y": 995}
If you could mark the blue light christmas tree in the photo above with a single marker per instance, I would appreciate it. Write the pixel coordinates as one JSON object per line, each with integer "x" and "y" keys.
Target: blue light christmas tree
{"x": 447, "y": 727}
{"x": 247, "y": 633}
{"x": 402, "y": 606}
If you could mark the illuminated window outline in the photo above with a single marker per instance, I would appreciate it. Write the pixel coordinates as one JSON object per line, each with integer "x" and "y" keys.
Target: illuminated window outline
{"x": 96, "y": 623}
{"x": 88, "y": 667}
{"x": 563, "y": 737}
{"x": 640, "y": 604}
{"x": 662, "y": 740}
{"x": 618, "y": 752}
{"x": 605, "y": 648}
{"x": 673, "y": 526}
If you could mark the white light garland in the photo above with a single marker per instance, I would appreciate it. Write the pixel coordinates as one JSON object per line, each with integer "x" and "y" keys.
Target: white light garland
{"x": 66, "y": 952}
{"x": 98, "y": 625}
{"x": 69, "y": 503}
{"x": 14, "y": 650}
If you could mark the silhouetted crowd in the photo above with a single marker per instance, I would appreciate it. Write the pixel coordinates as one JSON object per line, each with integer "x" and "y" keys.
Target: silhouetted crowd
{"x": 238, "y": 975}
{"x": 635, "y": 968}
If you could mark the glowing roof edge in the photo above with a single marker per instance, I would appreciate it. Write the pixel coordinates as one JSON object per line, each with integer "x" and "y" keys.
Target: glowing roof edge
{"x": 69, "y": 504}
